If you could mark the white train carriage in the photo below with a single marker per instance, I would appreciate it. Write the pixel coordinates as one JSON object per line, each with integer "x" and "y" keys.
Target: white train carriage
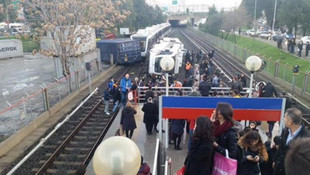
{"x": 150, "y": 36}
{"x": 168, "y": 46}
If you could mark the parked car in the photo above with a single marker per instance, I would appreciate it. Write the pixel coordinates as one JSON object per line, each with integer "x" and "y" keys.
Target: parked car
{"x": 305, "y": 39}
{"x": 264, "y": 35}
{"x": 289, "y": 36}
{"x": 252, "y": 33}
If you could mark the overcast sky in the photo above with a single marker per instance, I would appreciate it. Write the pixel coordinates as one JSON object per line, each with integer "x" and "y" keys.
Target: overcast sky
{"x": 218, "y": 3}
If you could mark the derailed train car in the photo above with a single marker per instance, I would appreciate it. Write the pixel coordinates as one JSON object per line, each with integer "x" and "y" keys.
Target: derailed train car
{"x": 167, "y": 47}
{"x": 123, "y": 50}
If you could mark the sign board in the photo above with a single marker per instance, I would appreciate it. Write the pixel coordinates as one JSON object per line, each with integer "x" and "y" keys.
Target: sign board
{"x": 261, "y": 109}
{"x": 174, "y": 2}
{"x": 11, "y": 48}
{"x": 124, "y": 31}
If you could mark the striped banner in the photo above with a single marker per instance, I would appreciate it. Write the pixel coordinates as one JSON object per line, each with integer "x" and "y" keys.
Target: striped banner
{"x": 260, "y": 109}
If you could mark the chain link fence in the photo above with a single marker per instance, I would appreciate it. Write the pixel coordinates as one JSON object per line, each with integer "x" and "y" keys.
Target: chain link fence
{"x": 273, "y": 68}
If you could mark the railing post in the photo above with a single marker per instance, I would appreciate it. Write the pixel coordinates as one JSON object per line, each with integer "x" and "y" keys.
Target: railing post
{"x": 305, "y": 85}
{"x": 284, "y": 73}
{"x": 45, "y": 98}
{"x": 24, "y": 107}
{"x": 276, "y": 70}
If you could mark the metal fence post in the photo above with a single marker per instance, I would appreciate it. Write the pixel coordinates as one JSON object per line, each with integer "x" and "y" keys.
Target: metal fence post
{"x": 276, "y": 69}
{"x": 284, "y": 73}
{"x": 45, "y": 98}
{"x": 293, "y": 84}
{"x": 24, "y": 108}
{"x": 305, "y": 85}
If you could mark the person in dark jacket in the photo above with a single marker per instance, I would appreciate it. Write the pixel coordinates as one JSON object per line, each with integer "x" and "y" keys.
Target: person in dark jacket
{"x": 156, "y": 102}
{"x": 299, "y": 46}
{"x": 254, "y": 153}
{"x": 106, "y": 98}
{"x": 177, "y": 132}
{"x": 199, "y": 159}
{"x": 297, "y": 160}
{"x": 269, "y": 91}
{"x": 149, "y": 93}
{"x": 116, "y": 98}
{"x": 204, "y": 87}
{"x": 243, "y": 80}
{"x": 294, "y": 129}
{"x": 225, "y": 132}
{"x": 128, "y": 120}
{"x": 307, "y": 49}
{"x": 236, "y": 84}
{"x": 266, "y": 167}
{"x": 150, "y": 113}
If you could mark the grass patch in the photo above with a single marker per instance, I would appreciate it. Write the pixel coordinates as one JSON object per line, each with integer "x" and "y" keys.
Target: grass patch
{"x": 28, "y": 44}
{"x": 267, "y": 51}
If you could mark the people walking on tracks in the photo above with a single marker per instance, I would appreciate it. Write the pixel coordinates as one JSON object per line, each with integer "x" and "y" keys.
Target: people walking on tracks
{"x": 199, "y": 159}
{"x": 106, "y": 99}
{"x": 254, "y": 153}
{"x": 125, "y": 88}
{"x": 307, "y": 49}
{"x": 294, "y": 130}
{"x": 269, "y": 91}
{"x": 111, "y": 83}
{"x": 300, "y": 45}
{"x": 204, "y": 87}
{"x": 150, "y": 113}
{"x": 128, "y": 120}
{"x": 116, "y": 97}
{"x": 225, "y": 131}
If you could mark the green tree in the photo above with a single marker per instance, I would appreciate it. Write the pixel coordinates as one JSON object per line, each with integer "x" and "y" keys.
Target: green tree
{"x": 213, "y": 22}
{"x": 8, "y": 10}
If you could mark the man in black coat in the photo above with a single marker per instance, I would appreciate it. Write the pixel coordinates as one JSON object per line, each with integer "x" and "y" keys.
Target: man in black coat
{"x": 237, "y": 84}
{"x": 307, "y": 48}
{"x": 204, "y": 87}
{"x": 269, "y": 91}
{"x": 293, "y": 130}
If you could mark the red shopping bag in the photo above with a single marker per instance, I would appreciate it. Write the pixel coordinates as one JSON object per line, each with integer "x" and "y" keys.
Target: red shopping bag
{"x": 224, "y": 165}
{"x": 180, "y": 171}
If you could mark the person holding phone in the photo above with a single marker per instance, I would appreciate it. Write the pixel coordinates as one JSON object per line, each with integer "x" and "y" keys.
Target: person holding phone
{"x": 254, "y": 152}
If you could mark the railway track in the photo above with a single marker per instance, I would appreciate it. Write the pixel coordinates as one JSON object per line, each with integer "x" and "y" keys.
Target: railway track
{"x": 228, "y": 67}
{"x": 74, "y": 143}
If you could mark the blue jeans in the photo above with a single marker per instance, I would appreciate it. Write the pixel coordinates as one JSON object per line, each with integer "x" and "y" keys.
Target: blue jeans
{"x": 191, "y": 132}
{"x": 124, "y": 98}
{"x": 115, "y": 106}
{"x": 106, "y": 106}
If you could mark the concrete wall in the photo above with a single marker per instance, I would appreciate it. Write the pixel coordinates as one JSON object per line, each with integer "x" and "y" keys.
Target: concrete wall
{"x": 15, "y": 139}
{"x": 11, "y": 48}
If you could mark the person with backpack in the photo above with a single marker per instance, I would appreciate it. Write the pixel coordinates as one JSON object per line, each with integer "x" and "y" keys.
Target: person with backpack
{"x": 106, "y": 98}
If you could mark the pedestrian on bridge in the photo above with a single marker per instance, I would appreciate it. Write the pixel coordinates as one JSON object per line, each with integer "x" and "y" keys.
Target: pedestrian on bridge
{"x": 150, "y": 114}
{"x": 128, "y": 119}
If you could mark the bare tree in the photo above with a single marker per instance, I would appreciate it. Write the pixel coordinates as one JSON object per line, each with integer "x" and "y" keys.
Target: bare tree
{"x": 234, "y": 20}
{"x": 68, "y": 23}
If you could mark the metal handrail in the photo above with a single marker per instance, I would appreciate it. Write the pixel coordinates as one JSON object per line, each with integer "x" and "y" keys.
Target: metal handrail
{"x": 156, "y": 157}
{"x": 42, "y": 141}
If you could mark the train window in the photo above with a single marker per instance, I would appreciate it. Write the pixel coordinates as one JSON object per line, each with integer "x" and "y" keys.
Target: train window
{"x": 142, "y": 45}
{"x": 157, "y": 64}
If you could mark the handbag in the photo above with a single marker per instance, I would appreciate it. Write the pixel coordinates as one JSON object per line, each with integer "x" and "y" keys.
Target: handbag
{"x": 180, "y": 171}
{"x": 223, "y": 165}
{"x": 130, "y": 96}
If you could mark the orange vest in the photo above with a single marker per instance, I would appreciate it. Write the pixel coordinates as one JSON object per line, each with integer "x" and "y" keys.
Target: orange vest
{"x": 188, "y": 66}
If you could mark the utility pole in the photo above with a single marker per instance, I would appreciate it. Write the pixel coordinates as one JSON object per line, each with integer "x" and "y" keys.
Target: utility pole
{"x": 254, "y": 22}
{"x": 274, "y": 14}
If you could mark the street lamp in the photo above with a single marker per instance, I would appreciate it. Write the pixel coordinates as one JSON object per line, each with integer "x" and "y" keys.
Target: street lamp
{"x": 254, "y": 64}
{"x": 167, "y": 64}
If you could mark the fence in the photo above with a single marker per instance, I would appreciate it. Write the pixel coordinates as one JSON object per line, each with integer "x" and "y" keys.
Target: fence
{"x": 31, "y": 107}
{"x": 274, "y": 68}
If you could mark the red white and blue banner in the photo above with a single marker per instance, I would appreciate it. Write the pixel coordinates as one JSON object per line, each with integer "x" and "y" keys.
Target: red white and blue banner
{"x": 259, "y": 109}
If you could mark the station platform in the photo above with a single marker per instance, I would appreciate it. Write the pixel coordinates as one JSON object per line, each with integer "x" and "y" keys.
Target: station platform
{"x": 147, "y": 143}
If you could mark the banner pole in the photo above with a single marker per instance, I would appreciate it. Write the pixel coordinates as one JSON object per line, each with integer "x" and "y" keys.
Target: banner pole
{"x": 282, "y": 116}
